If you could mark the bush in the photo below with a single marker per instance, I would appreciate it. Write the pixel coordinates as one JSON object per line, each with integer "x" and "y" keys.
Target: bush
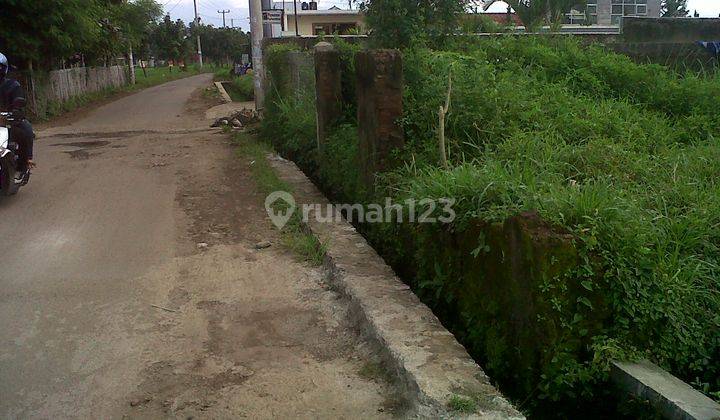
{"x": 620, "y": 157}
{"x": 624, "y": 156}
{"x": 243, "y": 88}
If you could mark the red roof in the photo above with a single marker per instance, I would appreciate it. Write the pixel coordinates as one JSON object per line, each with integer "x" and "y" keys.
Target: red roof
{"x": 502, "y": 18}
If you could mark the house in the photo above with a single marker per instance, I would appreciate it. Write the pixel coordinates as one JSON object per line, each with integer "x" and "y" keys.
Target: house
{"x": 311, "y": 21}
{"x": 597, "y": 12}
{"x": 610, "y": 12}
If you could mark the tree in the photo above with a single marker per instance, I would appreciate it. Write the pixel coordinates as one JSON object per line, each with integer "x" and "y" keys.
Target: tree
{"x": 222, "y": 45}
{"x": 674, "y": 8}
{"x": 47, "y": 32}
{"x": 170, "y": 40}
{"x": 533, "y": 13}
{"x": 42, "y": 31}
{"x": 137, "y": 20}
{"x": 400, "y": 23}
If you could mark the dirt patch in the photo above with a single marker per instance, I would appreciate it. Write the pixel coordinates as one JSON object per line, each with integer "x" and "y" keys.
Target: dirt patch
{"x": 225, "y": 210}
{"x": 253, "y": 333}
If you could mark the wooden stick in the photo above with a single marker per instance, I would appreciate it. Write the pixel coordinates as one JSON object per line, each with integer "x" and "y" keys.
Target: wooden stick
{"x": 441, "y": 128}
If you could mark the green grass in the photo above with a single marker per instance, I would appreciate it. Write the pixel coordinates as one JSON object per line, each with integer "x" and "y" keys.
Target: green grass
{"x": 295, "y": 236}
{"x": 462, "y": 404}
{"x": 241, "y": 89}
{"x": 623, "y": 156}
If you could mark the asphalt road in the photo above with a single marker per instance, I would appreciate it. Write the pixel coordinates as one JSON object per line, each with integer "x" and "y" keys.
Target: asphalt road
{"x": 109, "y": 308}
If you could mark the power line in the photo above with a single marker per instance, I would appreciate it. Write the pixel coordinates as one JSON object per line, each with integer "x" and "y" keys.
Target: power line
{"x": 207, "y": 9}
{"x": 173, "y": 8}
{"x": 213, "y": 4}
{"x": 224, "y": 12}
{"x": 210, "y": 17}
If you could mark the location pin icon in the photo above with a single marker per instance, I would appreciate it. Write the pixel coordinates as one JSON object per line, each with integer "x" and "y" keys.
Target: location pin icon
{"x": 280, "y": 214}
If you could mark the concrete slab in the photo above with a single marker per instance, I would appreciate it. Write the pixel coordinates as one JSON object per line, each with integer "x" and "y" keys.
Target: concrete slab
{"x": 223, "y": 93}
{"x": 673, "y": 398}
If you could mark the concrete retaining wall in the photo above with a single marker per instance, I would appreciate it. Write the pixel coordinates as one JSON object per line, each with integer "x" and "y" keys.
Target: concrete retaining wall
{"x": 431, "y": 366}
{"x": 670, "y": 30}
{"x": 500, "y": 305}
{"x": 677, "y": 55}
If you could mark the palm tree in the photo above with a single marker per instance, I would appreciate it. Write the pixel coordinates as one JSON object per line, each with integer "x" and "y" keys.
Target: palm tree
{"x": 533, "y": 13}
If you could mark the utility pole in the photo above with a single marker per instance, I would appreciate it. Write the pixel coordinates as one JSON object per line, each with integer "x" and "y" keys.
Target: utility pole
{"x": 267, "y": 27}
{"x": 297, "y": 31}
{"x": 197, "y": 28}
{"x": 232, "y": 23}
{"x": 223, "y": 13}
{"x": 131, "y": 62}
{"x": 256, "y": 36}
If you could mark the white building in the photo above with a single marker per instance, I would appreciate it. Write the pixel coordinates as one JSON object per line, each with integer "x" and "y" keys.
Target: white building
{"x": 311, "y": 21}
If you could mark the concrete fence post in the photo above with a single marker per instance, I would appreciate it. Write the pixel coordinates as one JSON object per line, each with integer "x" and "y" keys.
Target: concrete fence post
{"x": 379, "y": 107}
{"x": 328, "y": 93}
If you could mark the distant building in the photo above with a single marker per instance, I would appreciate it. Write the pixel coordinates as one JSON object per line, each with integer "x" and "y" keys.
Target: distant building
{"x": 597, "y": 12}
{"x": 315, "y": 22}
{"x": 610, "y": 12}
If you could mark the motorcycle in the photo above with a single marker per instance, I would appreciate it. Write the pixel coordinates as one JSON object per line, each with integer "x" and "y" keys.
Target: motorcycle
{"x": 10, "y": 179}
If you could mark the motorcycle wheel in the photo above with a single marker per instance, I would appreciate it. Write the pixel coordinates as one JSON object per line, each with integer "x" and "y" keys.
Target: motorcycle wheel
{"x": 7, "y": 178}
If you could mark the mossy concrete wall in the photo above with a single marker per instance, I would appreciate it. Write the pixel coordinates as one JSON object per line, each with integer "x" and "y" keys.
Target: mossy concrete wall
{"x": 293, "y": 72}
{"x": 678, "y": 55}
{"x": 379, "y": 108}
{"x": 670, "y": 30}
{"x": 328, "y": 89}
{"x": 497, "y": 287}
{"x": 668, "y": 41}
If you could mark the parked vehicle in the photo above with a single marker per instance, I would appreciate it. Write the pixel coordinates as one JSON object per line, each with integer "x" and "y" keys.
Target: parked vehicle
{"x": 10, "y": 179}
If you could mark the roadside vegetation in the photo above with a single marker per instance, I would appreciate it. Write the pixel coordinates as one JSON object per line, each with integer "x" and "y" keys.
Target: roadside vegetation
{"x": 623, "y": 157}
{"x": 240, "y": 88}
{"x": 295, "y": 236}
{"x": 41, "y": 36}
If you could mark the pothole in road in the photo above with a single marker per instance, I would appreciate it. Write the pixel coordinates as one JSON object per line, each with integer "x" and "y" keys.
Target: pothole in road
{"x": 83, "y": 147}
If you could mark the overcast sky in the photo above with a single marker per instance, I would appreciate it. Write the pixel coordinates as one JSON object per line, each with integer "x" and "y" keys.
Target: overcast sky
{"x": 208, "y": 9}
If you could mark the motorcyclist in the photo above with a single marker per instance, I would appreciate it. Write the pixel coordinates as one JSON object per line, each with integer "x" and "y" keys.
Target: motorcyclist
{"x": 12, "y": 94}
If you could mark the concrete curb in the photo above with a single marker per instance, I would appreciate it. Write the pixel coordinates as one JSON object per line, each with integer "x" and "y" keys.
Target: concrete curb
{"x": 673, "y": 398}
{"x": 430, "y": 364}
{"x": 223, "y": 93}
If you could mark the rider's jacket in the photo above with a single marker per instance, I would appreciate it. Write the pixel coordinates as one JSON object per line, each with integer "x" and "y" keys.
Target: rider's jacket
{"x": 10, "y": 90}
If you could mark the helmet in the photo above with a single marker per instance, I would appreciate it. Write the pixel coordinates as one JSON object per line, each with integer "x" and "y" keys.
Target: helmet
{"x": 3, "y": 66}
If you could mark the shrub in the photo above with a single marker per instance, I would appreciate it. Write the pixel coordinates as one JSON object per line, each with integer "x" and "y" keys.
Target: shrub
{"x": 244, "y": 87}
{"x": 624, "y": 156}
{"x": 621, "y": 157}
